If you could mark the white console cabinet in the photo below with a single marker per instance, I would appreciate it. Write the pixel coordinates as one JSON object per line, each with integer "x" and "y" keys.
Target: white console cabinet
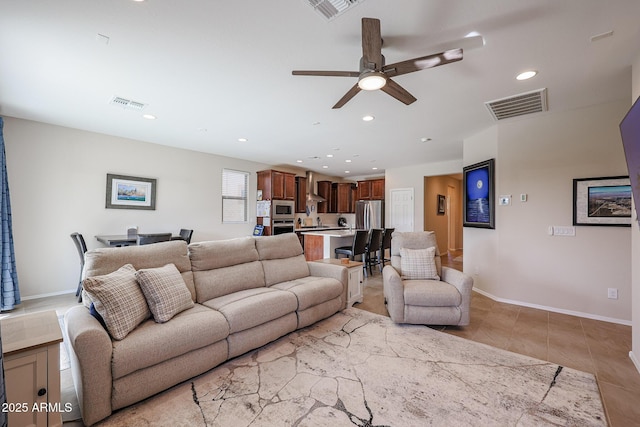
{"x": 354, "y": 268}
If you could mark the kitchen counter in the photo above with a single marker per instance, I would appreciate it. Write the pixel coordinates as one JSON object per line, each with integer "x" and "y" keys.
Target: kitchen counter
{"x": 320, "y": 244}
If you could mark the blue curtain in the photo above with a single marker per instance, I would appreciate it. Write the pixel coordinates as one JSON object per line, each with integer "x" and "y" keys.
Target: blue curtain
{"x": 9, "y": 292}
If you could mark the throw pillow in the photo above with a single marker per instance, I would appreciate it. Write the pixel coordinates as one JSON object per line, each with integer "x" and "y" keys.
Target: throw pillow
{"x": 118, "y": 299}
{"x": 165, "y": 291}
{"x": 419, "y": 264}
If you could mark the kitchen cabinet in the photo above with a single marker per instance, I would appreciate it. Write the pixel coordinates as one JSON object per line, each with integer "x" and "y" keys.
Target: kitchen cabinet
{"x": 276, "y": 185}
{"x": 301, "y": 194}
{"x": 372, "y": 189}
{"x": 341, "y": 197}
{"x": 324, "y": 191}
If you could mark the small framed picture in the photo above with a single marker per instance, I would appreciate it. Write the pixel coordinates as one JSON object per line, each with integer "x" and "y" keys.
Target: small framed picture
{"x": 442, "y": 204}
{"x": 130, "y": 192}
{"x": 479, "y": 195}
{"x": 602, "y": 201}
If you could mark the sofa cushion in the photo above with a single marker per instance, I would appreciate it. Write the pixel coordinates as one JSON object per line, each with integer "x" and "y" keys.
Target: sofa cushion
{"x": 285, "y": 245}
{"x": 227, "y": 280}
{"x": 282, "y": 270}
{"x": 165, "y": 291}
{"x": 419, "y": 264}
{"x": 118, "y": 299}
{"x": 152, "y": 343}
{"x": 431, "y": 293}
{"x": 222, "y": 253}
{"x": 252, "y": 307}
{"x": 311, "y": 290}
{"x": 103, "y": 261}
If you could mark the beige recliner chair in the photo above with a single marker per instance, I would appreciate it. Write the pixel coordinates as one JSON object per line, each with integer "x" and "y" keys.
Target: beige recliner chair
{"x": 418, "y": 289}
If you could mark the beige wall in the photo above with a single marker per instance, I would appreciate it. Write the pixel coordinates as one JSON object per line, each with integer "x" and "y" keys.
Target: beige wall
{"x": 451, "y": 188}
{"x": 518, "y": 261}
{"x": 635, "y": 248}
{"x": 57, "y": 178}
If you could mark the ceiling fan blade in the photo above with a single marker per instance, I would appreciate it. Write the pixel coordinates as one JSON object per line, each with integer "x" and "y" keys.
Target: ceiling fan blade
{"x": 371, "y": 43}
{"x": 347, "y": 96}
{"x": 398, "y": 92}
{"x": 326, "y": 73}
{"x": 422, "y": 63}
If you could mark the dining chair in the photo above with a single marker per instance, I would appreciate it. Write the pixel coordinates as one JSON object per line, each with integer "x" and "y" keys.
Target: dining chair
{"x": 81, "y": 246}
{"x": 186, "y": 234}
{"x": 374, "y": 247}
{"x": 146, "y": 239}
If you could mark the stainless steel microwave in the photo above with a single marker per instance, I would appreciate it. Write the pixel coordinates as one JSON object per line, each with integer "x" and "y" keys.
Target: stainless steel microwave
{"x": 283, "y": 209}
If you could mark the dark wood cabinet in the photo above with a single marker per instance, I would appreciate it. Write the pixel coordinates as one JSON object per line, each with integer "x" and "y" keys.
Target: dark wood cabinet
{"x": 301, "y": 194}
{"x": 372, "y": 189}
{"x": 276, "y": 185}
{"x": 342, "y": 197}
{"x": 324, "y": 191}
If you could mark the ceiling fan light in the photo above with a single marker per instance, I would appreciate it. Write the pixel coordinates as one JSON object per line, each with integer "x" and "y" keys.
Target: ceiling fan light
{"x": 372, "y": 80}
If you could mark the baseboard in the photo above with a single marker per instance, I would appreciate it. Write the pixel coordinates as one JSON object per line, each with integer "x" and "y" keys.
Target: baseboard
{"x": 555, "y": 310}
{"x": 634, "y": 360}
{"x": 52, "y": 294}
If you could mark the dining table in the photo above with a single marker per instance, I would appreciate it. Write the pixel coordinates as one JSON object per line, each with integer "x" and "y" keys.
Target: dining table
{"x": 119, "y": 240}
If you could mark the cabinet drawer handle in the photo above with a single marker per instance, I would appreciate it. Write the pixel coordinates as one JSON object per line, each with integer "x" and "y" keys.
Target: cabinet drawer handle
{"x": 42, "y": 392}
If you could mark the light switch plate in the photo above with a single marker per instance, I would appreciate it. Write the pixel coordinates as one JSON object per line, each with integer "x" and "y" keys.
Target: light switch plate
{"x": 505, "y": 200}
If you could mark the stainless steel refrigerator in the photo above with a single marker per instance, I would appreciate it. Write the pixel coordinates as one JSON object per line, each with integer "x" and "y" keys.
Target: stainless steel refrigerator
{"x": 369, "y": 214}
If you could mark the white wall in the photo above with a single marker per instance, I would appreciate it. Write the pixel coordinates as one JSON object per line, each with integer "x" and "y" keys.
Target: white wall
{"x": 413, "y": 177}
{"x": 635, "y": 248}
{"x": 540, "y": 156}
{"x": 57, "y": 178}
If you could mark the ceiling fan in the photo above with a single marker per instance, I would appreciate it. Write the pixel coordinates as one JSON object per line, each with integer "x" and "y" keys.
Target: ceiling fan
{"x": 374, "y": 74}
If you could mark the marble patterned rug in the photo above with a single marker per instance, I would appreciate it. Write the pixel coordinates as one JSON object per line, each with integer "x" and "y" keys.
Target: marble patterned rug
{"x": 358, "y": 368}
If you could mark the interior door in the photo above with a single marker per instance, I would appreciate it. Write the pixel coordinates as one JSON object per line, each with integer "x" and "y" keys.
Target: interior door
{"x": 401, "y": 212}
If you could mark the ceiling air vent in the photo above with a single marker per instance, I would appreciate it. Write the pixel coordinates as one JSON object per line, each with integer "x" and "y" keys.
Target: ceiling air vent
{"x": 332, "y": 8}
{"x": 518, "y": 105}
{"x": 127, "y": 103}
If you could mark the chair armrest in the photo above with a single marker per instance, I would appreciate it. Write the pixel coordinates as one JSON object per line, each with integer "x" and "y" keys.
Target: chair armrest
{"x": 337, "y": 272}
{"x": 393, "y": 293}
{"x": 90, "y": 348}
{"x": 464, "y": 284}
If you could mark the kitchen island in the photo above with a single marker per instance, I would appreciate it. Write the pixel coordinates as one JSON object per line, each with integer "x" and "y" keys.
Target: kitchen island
{"x": 321, "y": 244}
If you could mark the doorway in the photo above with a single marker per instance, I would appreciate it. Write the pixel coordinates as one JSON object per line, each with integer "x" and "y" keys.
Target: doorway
{"x": 447, "y": 222}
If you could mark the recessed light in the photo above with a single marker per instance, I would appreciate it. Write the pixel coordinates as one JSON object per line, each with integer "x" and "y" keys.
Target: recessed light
{"x": 149, "y": 116}
{"x": 368, "y": 118}
{"x": 329, "y": 155}
{"x": 242, "y": 139}
{"x": 374, "y": 168}
{"x": 325, "y": 167}
{"x": 425, "y": 139}
{"x": 348, "y": 161}
{"x": 526, "y": 75}
{"x": 347, "y": 171}
{"x": 298, "y": 161}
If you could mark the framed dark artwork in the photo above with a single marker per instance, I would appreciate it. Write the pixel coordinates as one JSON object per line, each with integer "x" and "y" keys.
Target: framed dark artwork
{"x": 442, "y": 204}
{"x": 130, "y": 192}
{"x": 602, "y": 201}
{"x": 479, "y": 195}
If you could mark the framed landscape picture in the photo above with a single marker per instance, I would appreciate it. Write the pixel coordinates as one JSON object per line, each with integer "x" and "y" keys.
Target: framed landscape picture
{"x": 130, "y": 192}
{"x": 479, "y": 195}
{"x": 602, "y": 201}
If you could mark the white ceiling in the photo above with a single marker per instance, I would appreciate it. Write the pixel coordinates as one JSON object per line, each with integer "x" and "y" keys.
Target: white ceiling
{"x": 214, "y": 71}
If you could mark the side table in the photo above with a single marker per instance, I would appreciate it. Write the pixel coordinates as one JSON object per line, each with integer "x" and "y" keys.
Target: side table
{"x": 354, "y": 269}
{"x": 31, "y": 352}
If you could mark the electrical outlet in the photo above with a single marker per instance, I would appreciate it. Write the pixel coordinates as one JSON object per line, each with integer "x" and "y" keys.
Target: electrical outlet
{"x": 612, "y": 293}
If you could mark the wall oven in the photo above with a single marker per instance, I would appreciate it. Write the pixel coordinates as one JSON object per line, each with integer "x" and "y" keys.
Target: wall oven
{"x": 282, "y": 226}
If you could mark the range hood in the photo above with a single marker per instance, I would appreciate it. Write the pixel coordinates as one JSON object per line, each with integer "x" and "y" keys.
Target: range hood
{"x": 311, "y": 189}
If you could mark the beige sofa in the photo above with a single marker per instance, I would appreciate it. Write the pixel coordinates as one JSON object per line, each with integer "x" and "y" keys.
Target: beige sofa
{"x": 246, "y": 292}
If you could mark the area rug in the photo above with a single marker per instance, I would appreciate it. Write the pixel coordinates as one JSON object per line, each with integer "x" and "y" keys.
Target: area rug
{"x": 359, "y": 368}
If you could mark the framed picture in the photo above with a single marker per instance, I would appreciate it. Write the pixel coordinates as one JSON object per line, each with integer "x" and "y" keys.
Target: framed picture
{"x": 442, "y": 203}
{"x": 602, "y": 201}
{"x": 479, "y": 195}
{"x": 130, "y": 192}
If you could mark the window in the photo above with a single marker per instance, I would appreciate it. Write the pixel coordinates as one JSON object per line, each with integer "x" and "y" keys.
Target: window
{"x": 234, "y": 196}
